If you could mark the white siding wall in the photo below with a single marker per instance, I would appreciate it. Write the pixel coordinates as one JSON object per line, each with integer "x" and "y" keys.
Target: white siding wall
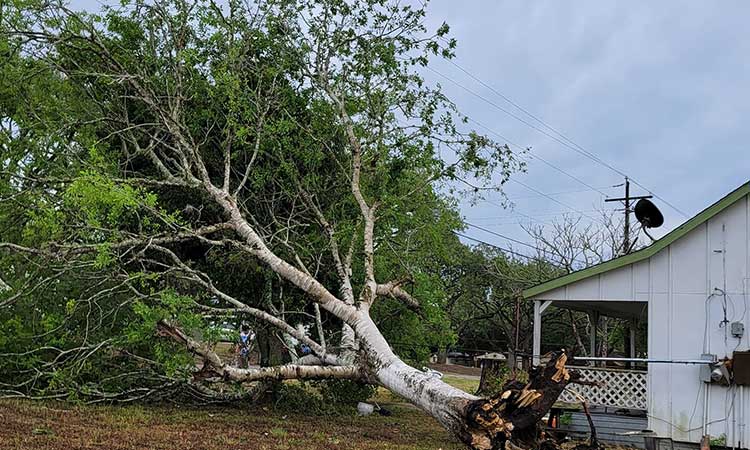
{"x": 629, "y": 283}
{"x": 678, "y": 282}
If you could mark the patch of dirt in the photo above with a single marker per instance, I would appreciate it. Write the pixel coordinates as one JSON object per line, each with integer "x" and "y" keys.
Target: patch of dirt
{"x": 455, "y": 369}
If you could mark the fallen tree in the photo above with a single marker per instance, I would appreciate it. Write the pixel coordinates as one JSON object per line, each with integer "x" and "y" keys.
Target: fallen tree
{"x": 514, "y": 416}
{"x": 186, "y": 133}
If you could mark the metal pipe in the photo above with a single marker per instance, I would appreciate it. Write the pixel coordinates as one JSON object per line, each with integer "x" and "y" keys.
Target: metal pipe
{"x": 734, "y": 417}
{"x": 706, "y": 386}
{"x": 537, "y": 338}
{"x": 644, "y": 360}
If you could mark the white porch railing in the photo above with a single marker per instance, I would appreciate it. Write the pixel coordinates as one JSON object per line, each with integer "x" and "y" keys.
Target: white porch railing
{"x": 619, "y": 388}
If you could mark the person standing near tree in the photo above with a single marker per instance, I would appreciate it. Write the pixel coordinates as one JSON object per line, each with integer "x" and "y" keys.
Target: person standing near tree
{"x": 244, "y": 345}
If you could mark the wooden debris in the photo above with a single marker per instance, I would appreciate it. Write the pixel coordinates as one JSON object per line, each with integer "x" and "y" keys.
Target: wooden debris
{"x": 562, "y": 372}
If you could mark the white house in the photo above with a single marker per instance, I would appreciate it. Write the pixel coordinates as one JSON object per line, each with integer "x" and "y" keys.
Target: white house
{"x": 691, "y": 286}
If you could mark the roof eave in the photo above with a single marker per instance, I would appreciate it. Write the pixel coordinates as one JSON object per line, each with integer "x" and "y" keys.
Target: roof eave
{"x": 644, "y": 253}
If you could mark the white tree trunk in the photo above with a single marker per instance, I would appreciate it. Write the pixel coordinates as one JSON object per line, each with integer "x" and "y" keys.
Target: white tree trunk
{"x": 440, "y": 400}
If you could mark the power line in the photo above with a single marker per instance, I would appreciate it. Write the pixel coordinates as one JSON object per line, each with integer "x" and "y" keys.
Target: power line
{"x": 511, "y": 217}
{"x": 575, "y": 191}
{"x": 538, "y": 157}
{"x": 530, "y": 218}
{"x": 546, "y": 162}
{"x": 507, "y": 237}
{"x": 512, "y": 252}
{"x": 555, "y": 200}
{"x": 517, "y": 241}
{"x": 553, "y": 166}
{"x": 534, "y": 156}
{"x": 565, "y": 141}
{"x": 515, "y": 116}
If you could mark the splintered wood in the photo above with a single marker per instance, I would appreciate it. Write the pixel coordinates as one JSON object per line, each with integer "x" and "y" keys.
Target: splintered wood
{"x": 528, "y": 397}
{"x": 562, "y": 372}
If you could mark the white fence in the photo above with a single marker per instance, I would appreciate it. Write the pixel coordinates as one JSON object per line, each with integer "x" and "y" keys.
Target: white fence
{"x": 619, "y": 388}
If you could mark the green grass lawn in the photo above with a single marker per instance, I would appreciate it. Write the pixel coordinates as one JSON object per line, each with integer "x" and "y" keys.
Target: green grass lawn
{"x": 57, "y": 426}
{"x": 466, "y": 384}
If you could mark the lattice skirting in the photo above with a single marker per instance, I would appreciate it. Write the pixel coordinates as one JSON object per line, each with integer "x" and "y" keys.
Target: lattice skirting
{"x": 620, "y": 388}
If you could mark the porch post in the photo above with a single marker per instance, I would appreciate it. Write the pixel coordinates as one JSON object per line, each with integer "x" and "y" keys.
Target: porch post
{"x": 537, "y": 347}
{"x": 539, "y": 307}
{"x": 632, "y": 339}
{"x": 594, "y": 318}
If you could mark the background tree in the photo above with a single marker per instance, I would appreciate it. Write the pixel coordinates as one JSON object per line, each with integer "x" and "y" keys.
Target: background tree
{"x": 485, "y": 285}
{"x": 487, "y": 307}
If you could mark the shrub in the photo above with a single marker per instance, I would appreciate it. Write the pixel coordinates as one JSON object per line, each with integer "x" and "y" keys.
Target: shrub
{"x": 496, "y": 380}
{"x": 329, "y": 397}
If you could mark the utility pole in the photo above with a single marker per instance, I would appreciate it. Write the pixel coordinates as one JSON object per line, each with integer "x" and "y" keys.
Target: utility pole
{"x": 626, "y": 235}
{"x": 627, "y": 199}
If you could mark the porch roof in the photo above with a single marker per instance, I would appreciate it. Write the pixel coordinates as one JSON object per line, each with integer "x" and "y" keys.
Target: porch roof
{"x": 623, "y": 310}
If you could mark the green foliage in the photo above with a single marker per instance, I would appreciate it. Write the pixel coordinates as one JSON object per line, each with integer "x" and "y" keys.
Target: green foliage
{"x": 100, "y": 202}
{"x": 344, "y": 392}
{"x": 44, "y": 223}
{"x": 497, "y": 379}
{"x": 719, "y": 441}
{"x": 104, "y": 256}
{"x": 326, "y": 397}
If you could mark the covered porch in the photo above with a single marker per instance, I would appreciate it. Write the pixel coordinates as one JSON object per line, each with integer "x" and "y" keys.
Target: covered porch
{"x": 633, "y": 311}
{"x": 622, "y": 387}
{"x": 619, "y": 402}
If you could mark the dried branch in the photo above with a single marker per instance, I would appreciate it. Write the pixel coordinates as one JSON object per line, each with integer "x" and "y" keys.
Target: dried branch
{"x": 214, "y": 365}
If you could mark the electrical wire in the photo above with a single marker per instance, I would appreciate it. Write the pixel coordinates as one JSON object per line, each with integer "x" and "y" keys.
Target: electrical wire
{"x": 574, "y": 191}
{"x": 535, "y": 156}
{"x": 562, "y": 139}
{"x": 512, "y": 252}
{"x": 565, "y": 205}
{"x": 540, "y": 193}
{"x": 531, "y": 214}
{"x": 541, "y": 250}
{"x": 531, "y": 219}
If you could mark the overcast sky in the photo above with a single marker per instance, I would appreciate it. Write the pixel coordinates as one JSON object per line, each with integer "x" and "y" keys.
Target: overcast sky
{"x": 659, "y": 90}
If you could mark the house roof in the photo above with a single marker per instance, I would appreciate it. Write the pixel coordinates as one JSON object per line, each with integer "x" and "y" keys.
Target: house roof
{"x": 644, "y": 253}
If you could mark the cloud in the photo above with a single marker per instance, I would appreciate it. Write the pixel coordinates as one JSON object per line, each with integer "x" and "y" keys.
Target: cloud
{"x": 659, "y": 89}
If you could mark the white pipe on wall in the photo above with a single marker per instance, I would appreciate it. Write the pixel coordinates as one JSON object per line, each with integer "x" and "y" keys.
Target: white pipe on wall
{"x": 644, "y": 360}
{"x": 734, "y": 417}
{"x": 707, "y": 387}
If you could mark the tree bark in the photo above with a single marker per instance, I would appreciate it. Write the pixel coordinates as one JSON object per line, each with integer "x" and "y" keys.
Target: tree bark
{"x": 482, "y": 424}
{"x": 442, "y": 356}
